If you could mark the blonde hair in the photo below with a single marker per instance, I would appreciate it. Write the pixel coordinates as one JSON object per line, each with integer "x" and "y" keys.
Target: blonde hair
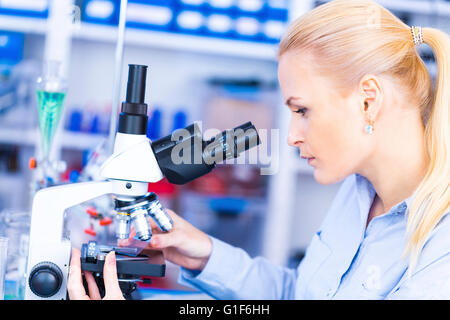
{"x": 352, "y": 38}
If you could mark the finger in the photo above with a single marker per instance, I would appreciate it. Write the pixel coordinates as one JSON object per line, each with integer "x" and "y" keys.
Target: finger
{"x": 164, "y": 240}
{"x": 126, "y": 242}
{"x": 155, "y": 228}
{"x": 173, "y": 215}
{"x": 94, "y": 293}
{"x": 75, "y": 286}
{"x": 132, "y": 233}
{"x": 112, "y": 288}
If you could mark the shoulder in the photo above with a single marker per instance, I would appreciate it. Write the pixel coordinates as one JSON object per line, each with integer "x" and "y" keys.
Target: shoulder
{"x": 431, "y": 277}
{"x": 437, "y": 246}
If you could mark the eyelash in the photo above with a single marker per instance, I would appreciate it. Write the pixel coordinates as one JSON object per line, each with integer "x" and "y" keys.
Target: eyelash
{"x": 301, "y": 111}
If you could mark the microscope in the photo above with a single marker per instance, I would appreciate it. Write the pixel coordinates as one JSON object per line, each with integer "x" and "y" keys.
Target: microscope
{"x": 136, "y": 161}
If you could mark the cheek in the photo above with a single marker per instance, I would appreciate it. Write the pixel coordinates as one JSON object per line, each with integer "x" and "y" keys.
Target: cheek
{"x": 335, "y": 142}
{"x": 327, "y": 137}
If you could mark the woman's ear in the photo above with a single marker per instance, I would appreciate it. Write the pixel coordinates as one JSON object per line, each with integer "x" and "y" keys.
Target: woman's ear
{"x": 371, "y": 96}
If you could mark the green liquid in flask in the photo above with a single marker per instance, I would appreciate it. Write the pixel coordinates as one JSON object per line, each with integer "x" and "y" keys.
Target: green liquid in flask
{"x": 49, "y": 111}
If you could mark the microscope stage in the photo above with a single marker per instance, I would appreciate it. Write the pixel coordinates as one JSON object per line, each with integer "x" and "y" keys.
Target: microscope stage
{"x": 149, "y": 263}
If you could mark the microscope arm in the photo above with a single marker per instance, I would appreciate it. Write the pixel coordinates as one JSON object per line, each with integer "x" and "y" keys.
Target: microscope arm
{"x": 46, "y": 232}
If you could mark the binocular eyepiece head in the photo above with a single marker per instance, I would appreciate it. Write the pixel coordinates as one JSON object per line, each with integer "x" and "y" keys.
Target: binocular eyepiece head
{"x": 184, "y": 156}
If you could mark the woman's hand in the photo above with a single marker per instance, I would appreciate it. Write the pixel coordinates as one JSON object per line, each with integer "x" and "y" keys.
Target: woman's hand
{"x": 75, "y": 281}
{"x": 184, "y": 245}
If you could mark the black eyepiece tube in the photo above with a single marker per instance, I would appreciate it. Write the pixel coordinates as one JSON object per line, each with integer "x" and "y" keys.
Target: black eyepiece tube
{"x": 231, "y": 143}
{"x": 133, "y": 118}
{"x": 137, "y": 75}
{"x": 226, "y": 145}
{"x": 245, "y": 137}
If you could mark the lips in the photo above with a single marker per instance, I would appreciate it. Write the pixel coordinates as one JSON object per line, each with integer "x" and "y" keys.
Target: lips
{"x": 309, "y": 159}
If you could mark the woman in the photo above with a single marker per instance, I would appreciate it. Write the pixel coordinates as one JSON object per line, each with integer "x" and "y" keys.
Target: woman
{"x": 364, "y": 110}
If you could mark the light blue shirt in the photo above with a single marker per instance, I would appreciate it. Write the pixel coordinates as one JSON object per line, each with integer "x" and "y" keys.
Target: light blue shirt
{"x": 345, "y": 260}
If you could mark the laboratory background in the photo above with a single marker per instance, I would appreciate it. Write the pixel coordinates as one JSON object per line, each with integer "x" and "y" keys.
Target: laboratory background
{"x": 209, "y": 61}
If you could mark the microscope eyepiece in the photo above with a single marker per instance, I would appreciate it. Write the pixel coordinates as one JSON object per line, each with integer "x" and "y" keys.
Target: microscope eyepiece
{"x": 231, "y": 143}
{"x": 137, "y": 75}
{"x": 133, "y": 118}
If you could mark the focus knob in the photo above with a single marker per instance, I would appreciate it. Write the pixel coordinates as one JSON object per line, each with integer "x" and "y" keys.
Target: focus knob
{"x": 45, "y": 279}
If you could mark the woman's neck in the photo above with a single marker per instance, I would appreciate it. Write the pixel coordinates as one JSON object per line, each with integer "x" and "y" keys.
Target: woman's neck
{"x": 398, "y": 167}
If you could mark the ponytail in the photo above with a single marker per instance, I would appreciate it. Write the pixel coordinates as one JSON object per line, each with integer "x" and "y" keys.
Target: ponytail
{"x": 431, "y": 199}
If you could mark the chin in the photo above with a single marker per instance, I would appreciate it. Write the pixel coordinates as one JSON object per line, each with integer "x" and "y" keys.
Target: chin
{"x": 325, "y": 178}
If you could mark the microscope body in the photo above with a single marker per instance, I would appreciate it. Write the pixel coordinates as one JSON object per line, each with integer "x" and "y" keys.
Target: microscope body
{"x": 128, "y": 172}
{"x": 135, "y": 162}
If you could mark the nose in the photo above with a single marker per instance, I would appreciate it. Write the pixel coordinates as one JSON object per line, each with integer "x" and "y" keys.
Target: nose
{"x": 295, "y": 135}
{"x": 292, "y": 141}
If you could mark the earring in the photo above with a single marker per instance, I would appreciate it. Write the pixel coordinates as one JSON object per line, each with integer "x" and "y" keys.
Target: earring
{"x": 369, "y": 127}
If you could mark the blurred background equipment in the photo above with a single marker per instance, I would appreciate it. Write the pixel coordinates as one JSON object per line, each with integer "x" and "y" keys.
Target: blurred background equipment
{"x": 212, "y": 61}
{"x": 51, "y": 91}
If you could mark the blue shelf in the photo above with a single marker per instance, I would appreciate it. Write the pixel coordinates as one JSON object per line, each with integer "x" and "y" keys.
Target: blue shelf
{"x": 101, "y": 12}
{"x": 23, "y": 11}
{"x": 190, "y": 17}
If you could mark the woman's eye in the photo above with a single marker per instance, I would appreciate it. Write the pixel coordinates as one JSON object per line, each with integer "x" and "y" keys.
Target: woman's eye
{"x": 302, "y": 111}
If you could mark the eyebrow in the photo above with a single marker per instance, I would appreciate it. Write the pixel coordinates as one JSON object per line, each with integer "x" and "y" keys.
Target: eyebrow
{"x": 289, "y": 101}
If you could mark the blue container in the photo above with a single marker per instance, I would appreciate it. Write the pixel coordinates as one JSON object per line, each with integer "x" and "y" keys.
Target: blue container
{"x": 191, "y": 21}
{"x": 179, "y": 120}
{"x": 253, "y": 8}
{"x": 249, "y": 28}
{"x": 75, "y": 120}
{"x": 11, "y": 47}
{"x": 220, "y": 24}
{"x": 151, "y": 14}
{"x": 34, "y": 9}
{"x": 95, "y": 124}
{"x": 273, "y": 30}
{"x": 74, "y": 175}
{"x": 228, "y": 205}
{"x": 154, "y": 125}
{"x": 101, "y": 11}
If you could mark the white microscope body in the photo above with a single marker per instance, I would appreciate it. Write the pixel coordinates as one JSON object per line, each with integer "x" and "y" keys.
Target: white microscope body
{"x": 127, "y": 172}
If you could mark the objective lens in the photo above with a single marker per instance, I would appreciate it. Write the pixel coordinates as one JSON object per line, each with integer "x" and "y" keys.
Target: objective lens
{"x": 159, "y": 214}
{"x": 139, "y": 218}
{"x": 122, "y": 225}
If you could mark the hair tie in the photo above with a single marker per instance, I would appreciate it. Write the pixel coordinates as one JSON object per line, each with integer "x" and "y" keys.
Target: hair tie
{"x": 417, "y": 36}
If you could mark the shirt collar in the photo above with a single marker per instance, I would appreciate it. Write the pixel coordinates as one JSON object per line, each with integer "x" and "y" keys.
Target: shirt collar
{"x": 366, "y": 193}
